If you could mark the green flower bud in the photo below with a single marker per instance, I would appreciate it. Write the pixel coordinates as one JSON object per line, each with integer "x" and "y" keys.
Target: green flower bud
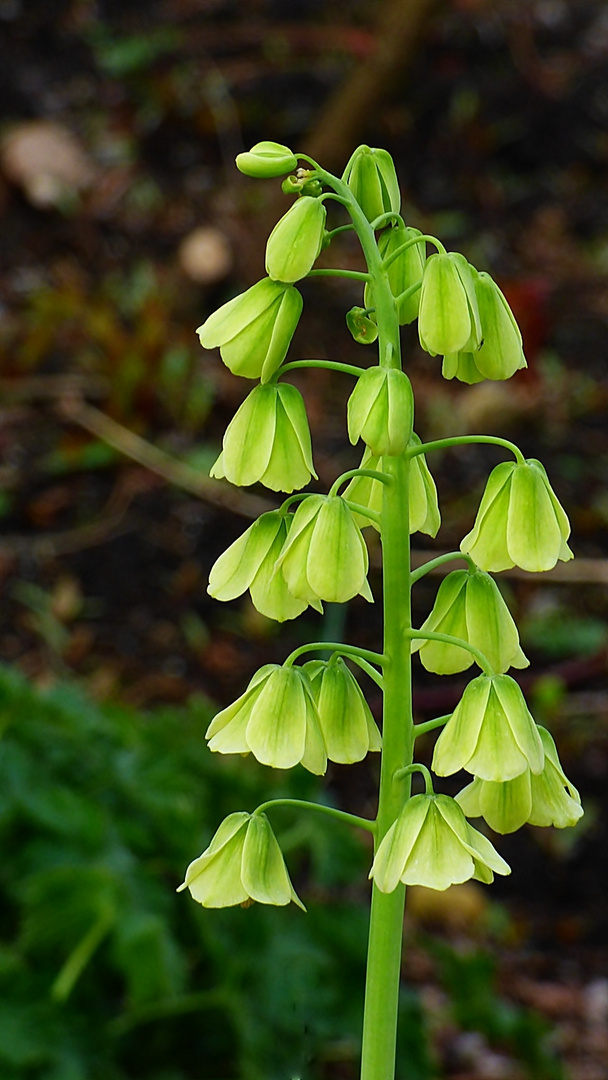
{"x": 242, "y": 863}
{"x": 424, "y": 508}
{"x": 370, "y": 175}
{"x": 325, "y": 556}
{"x": 348, "y": 727}
{"x": 296, "y": 240}
{"x": 381, "y": 411}
{"x": 469, "y": 606}
{"x": 519, "y": 522}
{"x": 448, "y": 321}
{"x": 275, "y": 719}
{"x": 500, "y": 353}
{"x": 363, "y": 329}
{"x": 491, "y": 733}
{"x": 266, "y": 160}
{"x": 405, "y": 271}
{"x": 546, "y": 799}
{"x": 254, "y": 330}
{"x": 431, "y": 843}
{"x": 250, "y": 563}
{"x": 268, "y": 440}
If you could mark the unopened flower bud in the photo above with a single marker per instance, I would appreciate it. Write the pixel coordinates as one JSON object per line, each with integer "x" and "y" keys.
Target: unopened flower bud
{"x": 296, "y": 240}
{"x": 431, "y": 843}
{"x": 266, "y": 160}
{"x": 469, "y": 606}
{"x": 243, "y": 862}
{"x": 275, "y": 719}
{"x": 405, "y": 271}
{"x": 348, "y": 727}
{"x": 371, "y": 177}
{"x": 546, "y": 799}
{"x": 381, "y": 411}
{"x": 448, "y": 321}
{"x": 325, "y": 556}
{"x": 363, "y": 329}
{"x": 254, "y": 330}
{"x": 268, "y": 440}
{"x": 491, "y": 733}
{"x": 519, "y": 522}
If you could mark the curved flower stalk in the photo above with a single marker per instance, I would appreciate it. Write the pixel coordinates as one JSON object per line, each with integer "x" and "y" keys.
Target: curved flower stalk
{"x": 469, "y": 606}
{"x": 519, "y": 522}
{"x": 424, "y": 513}
{"x": 448, "y": 321}
{"x": 276, "y": 720}
{"x": 431, "y": 843}
{"x": 251, "y": 563}
{"x": 268, "y": 441}
{"x": 254, "y": 330}
{"x": 348, "y": 727}
{"x": 381, "y": 411}
{"x": 500, "y": 353}
{"x": 491, "y": 733}
{"x": 325, "y": 556}
{"x": 545, "y": 799}
{"x": 296, "y": 240}
{"x": 242, "y": 863}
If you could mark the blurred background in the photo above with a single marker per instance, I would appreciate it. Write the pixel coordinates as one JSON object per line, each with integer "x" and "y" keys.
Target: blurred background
{"x": 123, "y": 225}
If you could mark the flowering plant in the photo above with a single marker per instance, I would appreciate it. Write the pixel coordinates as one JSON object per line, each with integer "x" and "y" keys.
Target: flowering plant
{"x": 311, "y": 550}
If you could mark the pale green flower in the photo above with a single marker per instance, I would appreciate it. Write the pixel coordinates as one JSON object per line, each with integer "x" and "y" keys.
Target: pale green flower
{"x": 500, "y": 353}
{"x": 276, "y": 719}
{"x": 268, "y": 440}
{"x": 424, "y": 508}
{"x": 266, "y": 160}
{"x": 296, "y": 240}
{"x": 519, "y": 522}
{"x": 461, "y": 366}
{"x": 469, "y": 606}
{"x": 381, "y": 411}
{"x": 348, "y": 727}
{"x": 546, "y": 799}
{"x": 448, "y": 321}
{"x": 242, "y": 863}
{"x": 431, "y": 843}
{"x": 325, "y": 556}
{"x": 491, "y": 733}
{"x": 251, "y": 563}
{"x": 370, "y": 175}
{"x": 405, "y": 271}
{"x": 254, "y": 329}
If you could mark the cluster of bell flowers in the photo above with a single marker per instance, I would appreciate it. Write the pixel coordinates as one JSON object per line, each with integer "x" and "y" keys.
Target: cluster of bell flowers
{"x": 292, "y": 715}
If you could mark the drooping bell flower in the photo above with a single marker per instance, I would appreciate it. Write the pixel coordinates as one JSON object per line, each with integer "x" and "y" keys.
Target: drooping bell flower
{"x": 242, "y": 863}
{"x": 491, "y": 733}
{"x": 348, "y": 727}
{"x": 424, "y": 507}
{"x": 296, "y": 240}
{"x": 268, "y": 440}
{"x": 381, "y": 411}
{"x": 448, "y": 320}
{"x": 500, "y": 353}
{"x": 254, "y": 330}
{"x": 431, "y": 843}
{"x": 325, "y": 556}
{"x": 519, "y": 522}
{"x": 370, "y": 175}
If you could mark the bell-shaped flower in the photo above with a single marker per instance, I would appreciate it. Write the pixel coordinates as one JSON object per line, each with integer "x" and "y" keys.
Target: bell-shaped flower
{"x": 448, "y": 320}
{"x": 276, "y": 720}
{"x": 500, "y": 353}
{"x": 381, "y": 411}
{"x": 254, "y": 330}
{"x": 251, "y": 563}
{"x": 461, "y": 366}
{"x": 469, "y": 606}
{"x": 268, "y": 440}
{"x": 424, "y": 508}
{"x": 348, "y": 727}
{"x": 371, "y": 176}
{"x": 519, "y": 522}
{"x": 546, "y": 799}
{"x": 431, "y": 843}
{"x": 406, "y": 270}
{"x": 266, "y": 160}
{"x": 491, "y": 733}
{"x": 325, "y": 556}
{"x": 242, "y": 863}
{"x": 296, "y": 240}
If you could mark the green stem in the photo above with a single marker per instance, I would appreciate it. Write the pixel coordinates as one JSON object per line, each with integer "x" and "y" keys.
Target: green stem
{"x": 333, "y": 365}
{"x": 432, "y": 564}
{"x": 401, "y": 774}
{"x": 364, "y": 511}
{"x": 334, "y": 646}
{"x": 356, "y": 275}
{"x": 374, "y": 675}
{"x": 464, "y": 440}
{"x": 405, "y": 295}
{"x": 374, "y": 474}
{"x": 336, "y": 232}
{"x": 298, "y": 497}
{"x": 390, "y": 215}
{"x": 341, "y": 815}
{"x": 390, "y": 259}
{"x": 448, "y": 639}
{"x": 430, "y": 725}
